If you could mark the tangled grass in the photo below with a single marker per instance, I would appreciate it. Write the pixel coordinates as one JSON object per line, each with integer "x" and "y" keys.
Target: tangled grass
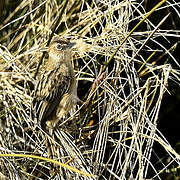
{"x": 122, "y": 77}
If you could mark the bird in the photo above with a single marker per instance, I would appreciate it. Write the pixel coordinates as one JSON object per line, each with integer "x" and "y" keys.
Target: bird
{"x": 55, "y": 93}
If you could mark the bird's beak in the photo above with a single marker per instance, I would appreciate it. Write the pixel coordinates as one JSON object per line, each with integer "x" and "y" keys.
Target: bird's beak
{"x": 70, "y": 45}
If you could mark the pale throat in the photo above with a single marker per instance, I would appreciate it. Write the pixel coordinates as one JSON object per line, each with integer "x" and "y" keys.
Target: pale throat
{"x": 62, "y": 59}
{"x": 60, "y": 56}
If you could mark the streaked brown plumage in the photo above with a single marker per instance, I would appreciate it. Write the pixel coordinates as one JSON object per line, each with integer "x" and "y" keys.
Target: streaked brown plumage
{"x": 56, "y": 92}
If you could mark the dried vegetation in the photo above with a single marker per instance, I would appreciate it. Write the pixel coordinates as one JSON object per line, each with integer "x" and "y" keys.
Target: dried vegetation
{"x": 122, "y": 78}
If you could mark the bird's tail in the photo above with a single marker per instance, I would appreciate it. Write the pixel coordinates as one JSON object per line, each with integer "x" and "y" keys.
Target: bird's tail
{"x": 61, "y": 148}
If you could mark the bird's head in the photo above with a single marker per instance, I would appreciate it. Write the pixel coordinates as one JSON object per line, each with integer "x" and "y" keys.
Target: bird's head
{"x": 60, "y": 48}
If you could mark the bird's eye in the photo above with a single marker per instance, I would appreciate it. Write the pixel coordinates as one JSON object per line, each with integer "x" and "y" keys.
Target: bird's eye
{"x": 58, "y": 47}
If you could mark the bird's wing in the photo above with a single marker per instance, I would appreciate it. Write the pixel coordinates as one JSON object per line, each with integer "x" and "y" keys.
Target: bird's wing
{"x": 48, "y": 93}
